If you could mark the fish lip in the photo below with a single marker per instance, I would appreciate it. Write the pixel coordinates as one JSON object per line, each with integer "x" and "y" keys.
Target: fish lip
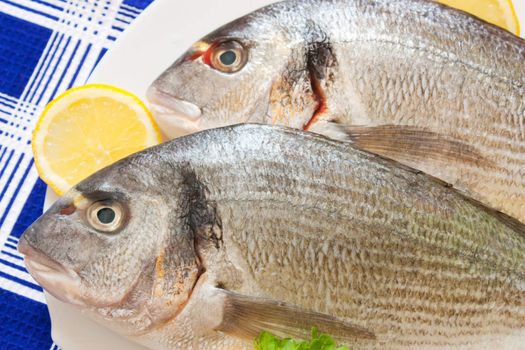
{"x": 25, "y": 248}
{"x": 61, "y": 282}
{"x": 173, "y": 104}
{"x": 176, "y": 117}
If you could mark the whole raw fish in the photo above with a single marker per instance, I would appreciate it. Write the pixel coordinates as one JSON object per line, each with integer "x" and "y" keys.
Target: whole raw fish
{"x": 203, "y": 242}
{"x": 412, "y": 80}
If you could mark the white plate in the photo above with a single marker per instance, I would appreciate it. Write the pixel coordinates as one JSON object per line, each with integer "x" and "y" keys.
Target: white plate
{"x": 160, "y": 35}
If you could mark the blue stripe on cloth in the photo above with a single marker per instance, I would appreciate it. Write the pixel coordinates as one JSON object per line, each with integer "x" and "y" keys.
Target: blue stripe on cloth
{"x": 32, "y": 208}
{"x": 100, "y": 55}
{"x": 29, "y": 9}
{"x": 54, "y": 70}
{"x": 25, "y": 324}
{"x": 10, "y": 178}
{"x": 14, "y": 266}
{"x": 66, "y": 70}
{"x": 134, "y": 6}
{"x": 8, "y": 98}
{"x": 12, "y": 240}
{"x": 24, "y": 176}
{"x": 12, "y": 255}
{"x": 3, "y": 121}
{"x": 118, "y": 29}
{"x": 130, "y": 16}
{"x": 122, "y": 21}
{"x": 129, "y": 9}
{"x": 49, "y": 59}
{"x": 10, "y": 246}
{"x": 34, "y": 83}
{"x": 6, "y": 164}
{"x": 21, "y": 281}
{"x": 45, "y": 3}
{"x": 6, "y": 104}
{"x": 80, "y": 65}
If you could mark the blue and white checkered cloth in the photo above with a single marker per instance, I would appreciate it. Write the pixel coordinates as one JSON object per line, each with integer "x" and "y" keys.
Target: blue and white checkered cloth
{"x": 46, "y": 47}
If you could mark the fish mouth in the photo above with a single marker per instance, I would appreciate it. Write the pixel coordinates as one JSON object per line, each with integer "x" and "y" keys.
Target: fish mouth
{"x": 175, "y": 116}
{"x": 61, "y": 282}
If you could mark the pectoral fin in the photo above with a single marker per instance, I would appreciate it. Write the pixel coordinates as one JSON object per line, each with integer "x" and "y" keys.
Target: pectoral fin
{"x": 406, "y": 144}
{"x": 246, "y": 317}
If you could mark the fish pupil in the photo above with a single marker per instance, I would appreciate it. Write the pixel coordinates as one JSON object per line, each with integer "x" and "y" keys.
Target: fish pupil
{"x": 228, "y": 58}
{"x": 106, "y": 215}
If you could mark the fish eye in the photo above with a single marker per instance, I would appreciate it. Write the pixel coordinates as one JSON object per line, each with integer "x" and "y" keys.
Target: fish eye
{"x": 229, "y": 57}
{"x": 105, "y": 216}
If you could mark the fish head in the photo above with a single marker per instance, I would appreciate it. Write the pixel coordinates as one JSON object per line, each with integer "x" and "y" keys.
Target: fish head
{"x": 250, "y": 70}
{"x": 117, "y": 246}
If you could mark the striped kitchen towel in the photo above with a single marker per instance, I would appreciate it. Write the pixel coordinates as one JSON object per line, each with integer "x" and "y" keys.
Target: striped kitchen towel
{"x": 46, "y": 47}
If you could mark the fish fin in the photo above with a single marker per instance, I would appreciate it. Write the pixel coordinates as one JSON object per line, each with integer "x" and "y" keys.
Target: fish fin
{"x": 332, "y": 130}
{"x": 246, "y": 317}
{"x": 408, "y": 144}
{"x": 411, "y": 145}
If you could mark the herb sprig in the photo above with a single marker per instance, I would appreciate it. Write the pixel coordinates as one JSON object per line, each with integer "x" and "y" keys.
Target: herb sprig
{"x": 268, "y": 341}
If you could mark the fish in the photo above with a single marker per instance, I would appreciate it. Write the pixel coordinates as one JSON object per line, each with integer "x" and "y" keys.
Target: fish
{"x": 207, "y": 240}
{"x": 412, "y": 80}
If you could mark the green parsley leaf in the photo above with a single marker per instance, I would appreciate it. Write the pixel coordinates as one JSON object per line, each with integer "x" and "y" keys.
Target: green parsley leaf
{"x": 268, "y": 341}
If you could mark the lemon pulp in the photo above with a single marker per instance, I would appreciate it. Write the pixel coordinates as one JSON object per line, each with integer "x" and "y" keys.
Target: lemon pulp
{"x": 88, "y": 128}
{"x": 498, "y": 12}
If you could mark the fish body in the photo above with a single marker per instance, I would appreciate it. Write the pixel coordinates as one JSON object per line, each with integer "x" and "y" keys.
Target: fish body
{"x": 221, "y": 234}
{"x": 412, "y": 80}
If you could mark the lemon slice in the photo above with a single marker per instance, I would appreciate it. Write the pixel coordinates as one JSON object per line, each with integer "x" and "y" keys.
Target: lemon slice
{"x": 86, "y": 129}
{"x": 498, "y": 12}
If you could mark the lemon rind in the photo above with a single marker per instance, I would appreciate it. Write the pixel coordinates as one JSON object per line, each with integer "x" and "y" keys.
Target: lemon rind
{"x": 514, "y": 16}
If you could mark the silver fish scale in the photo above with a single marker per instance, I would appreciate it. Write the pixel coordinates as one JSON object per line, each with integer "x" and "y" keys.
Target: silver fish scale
{"x": 326, "y": 227}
